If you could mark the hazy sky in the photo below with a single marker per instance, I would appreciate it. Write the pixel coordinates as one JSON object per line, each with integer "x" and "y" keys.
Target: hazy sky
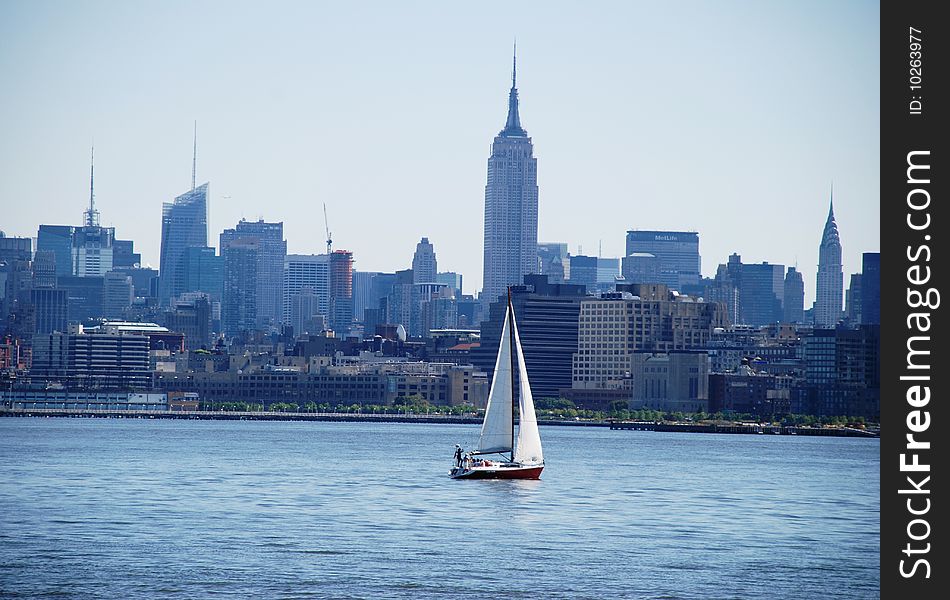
{"x": 730, "y": 118}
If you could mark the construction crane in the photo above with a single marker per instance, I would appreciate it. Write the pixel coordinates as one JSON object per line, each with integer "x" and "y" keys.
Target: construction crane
{"x": 326, "y": 222}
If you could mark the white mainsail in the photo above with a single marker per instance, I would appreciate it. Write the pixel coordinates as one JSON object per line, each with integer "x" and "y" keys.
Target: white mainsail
{"x": 496, "y": 433}
{"x": 528, "y": 448}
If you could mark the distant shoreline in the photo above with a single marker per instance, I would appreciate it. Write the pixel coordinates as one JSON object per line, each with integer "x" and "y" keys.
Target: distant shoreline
{"x": 734, "y": 428}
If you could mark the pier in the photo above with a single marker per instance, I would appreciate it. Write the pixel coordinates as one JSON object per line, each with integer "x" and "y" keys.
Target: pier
{"x": 743, "y": 429}
{"x": 410, "y": 417}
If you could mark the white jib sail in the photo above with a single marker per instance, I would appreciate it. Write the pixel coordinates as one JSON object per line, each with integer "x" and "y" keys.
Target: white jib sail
{"x": 528, "y": 448}
{"x": 496, "y": 428}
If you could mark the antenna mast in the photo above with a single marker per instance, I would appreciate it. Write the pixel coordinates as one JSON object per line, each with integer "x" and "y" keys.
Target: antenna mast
{"x": 194, "y": 157}
{"x": 326, "y": 222}
{"x": 92, "y": 215}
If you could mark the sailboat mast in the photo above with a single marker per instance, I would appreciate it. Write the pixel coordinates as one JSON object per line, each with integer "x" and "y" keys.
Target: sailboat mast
{"x": 511, "y": 335}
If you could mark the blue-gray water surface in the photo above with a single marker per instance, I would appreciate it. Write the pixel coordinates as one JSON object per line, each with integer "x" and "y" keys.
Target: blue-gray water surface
{"x": 124, "y": 508}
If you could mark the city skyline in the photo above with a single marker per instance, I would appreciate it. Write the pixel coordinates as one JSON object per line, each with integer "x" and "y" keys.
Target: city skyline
{"x": 746, "y": 165}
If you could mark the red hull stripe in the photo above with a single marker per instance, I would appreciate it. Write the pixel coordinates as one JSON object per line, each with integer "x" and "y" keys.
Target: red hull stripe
{"x": 503, "y": 473}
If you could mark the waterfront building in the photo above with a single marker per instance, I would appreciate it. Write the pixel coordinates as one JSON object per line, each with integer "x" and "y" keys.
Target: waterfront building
{"x": 638, "y": 317}
{"x": 424, "y": 264}
{"x": 871, "y": 288}
{"x": 379, "y": 383}
{"x": 272, "y": 251}
{"x": 547, "y": 315}
{"x": 830, "y": 279}
{"x": 677, "y": 255}
{"x": 774, "y": 349}
{"x": 29, "y": 398}
{"x": 184, "y": 225}
{"x": 511, "y": 206}
{"x": 341, "y": 291}
{"x": 842, "y": 373}
{"x": 670, "y": 381}
{"x": 747, "y": 391}
{"x": 793, "y": 305}
{"x": 57, "y": 239}
{"x": 307, "y": 274}
{"x": 88, "y": 361}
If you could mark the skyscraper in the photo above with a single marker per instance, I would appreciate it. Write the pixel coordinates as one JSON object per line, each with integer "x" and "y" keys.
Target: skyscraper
{"x": 552, "y": 260}
{"x": 677, "y": 255}
{"x": 424, "y": 265}
{"x": 794, "y": 305}
{"x": 828, "y": 288}
{"x": 871, "y": 287}
{"x": 511, "y": 206}
{"x": 341, "y": 291}
{"x": 184, "y": 225}
{"x": 272, "y": 250}
{"x": 362, "y": 293}
{"x": 241, "y": 267}
{"x": 852, "y": 299}
{"x": 92, "y": 250}
{"x": 761, "y": 293}
{"x": 306, "y": 274}
{"x": 57, "y": 239}
{"x": 202, "y": 271}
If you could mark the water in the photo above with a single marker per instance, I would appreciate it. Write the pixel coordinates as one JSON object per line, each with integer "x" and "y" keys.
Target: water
{"x": 184, "y": 509}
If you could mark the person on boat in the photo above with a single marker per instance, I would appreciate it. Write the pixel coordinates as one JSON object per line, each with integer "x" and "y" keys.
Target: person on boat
{"x": 458, "y": 455}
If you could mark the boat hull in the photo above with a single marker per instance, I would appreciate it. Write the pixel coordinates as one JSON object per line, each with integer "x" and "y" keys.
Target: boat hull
{"x": 498, "y": 472}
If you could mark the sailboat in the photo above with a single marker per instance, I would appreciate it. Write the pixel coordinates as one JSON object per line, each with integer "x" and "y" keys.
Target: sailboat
{"x": 520, "y": 455}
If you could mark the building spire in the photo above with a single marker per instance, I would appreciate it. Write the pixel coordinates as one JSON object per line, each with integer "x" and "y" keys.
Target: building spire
{"x": 194, "y": 157}
{"x": 514, "y": 65}
{"x": 91, "y": 214}
{"x": 513, "y": 124}
{"x": 830, "y": 234}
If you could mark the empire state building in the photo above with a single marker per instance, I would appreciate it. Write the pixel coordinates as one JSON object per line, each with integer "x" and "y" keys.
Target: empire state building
{"x": 511, "y": 205}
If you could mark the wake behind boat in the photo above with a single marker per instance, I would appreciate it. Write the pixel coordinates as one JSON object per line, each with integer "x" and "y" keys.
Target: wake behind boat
{"x": 518, "y": 457}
